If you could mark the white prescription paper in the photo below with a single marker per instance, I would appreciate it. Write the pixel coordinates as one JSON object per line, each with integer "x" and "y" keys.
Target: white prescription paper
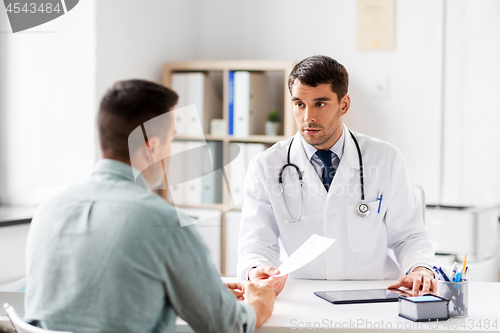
{"x": 306, "y": 253}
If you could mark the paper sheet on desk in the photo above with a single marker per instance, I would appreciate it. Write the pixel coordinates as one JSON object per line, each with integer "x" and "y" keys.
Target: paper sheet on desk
{"x": 306, "y": 253}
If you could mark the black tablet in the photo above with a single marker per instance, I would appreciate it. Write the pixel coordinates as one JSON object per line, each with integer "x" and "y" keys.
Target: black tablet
{"x": 360, "y": 296}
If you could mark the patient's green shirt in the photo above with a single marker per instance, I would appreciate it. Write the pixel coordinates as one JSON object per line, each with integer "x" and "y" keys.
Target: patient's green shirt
{"x": 110, "y": 256}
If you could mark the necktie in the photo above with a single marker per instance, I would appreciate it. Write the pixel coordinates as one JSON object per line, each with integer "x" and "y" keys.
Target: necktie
{"x": 328, "y": 172}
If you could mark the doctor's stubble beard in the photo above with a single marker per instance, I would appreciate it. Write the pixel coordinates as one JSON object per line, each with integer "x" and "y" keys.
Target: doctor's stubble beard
{"x": 323, "y": 138}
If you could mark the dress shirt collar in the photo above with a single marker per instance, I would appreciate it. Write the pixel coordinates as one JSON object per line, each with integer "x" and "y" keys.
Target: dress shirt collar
{"x": 337, "y": 148}
{"x": 120, "y": 169}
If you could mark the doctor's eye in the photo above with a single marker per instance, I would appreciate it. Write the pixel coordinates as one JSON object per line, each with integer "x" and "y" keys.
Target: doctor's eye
{"x": 320, "y": 104}
{"x": 299, "y": 104}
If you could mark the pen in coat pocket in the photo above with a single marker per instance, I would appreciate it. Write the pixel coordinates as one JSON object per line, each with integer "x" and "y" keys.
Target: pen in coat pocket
{"x": 379, "y": 198}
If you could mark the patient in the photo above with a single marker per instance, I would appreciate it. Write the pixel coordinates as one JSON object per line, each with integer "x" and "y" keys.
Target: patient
{"x": 109, "y": 255}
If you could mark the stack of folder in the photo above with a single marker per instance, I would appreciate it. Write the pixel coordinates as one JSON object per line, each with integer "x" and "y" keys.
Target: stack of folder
{"x": 197, "y": 90}
{"x": 193, "y": 181}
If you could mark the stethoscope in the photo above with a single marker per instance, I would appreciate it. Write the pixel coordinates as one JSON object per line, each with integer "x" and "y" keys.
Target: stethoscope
{"x": 362, "y": 209}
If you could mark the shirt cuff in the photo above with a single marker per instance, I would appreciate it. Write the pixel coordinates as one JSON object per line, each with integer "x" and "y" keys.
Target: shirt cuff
{"x": 251, "y": 317}
{"x": 248, "y": 272}
{"x": 429, "y": 267}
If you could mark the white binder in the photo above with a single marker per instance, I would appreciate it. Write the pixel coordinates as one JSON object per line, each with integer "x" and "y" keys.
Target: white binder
{"x": 195, "y": 89}
{"x": 178, "y": 84}
{"x": 251, "y": 103}
{"x": 233, "y": 219}
{"x": 193, "y": 188}
{"x": 212, "y": 179}
{"x": 238, "y": 167}
{"x": 237, "y": 171}
{"x": 252, "y": 150}
{"x": 174, "y": 173}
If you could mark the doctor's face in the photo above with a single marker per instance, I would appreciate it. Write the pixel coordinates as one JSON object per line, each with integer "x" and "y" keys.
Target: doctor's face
{"x": 318, "y": 113}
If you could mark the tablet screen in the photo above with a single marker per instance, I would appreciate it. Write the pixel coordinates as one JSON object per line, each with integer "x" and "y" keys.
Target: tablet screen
{"x": 360, "y": 296}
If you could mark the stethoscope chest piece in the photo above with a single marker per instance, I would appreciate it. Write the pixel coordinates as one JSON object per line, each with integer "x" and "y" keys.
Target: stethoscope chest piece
{"x": 362, "y": 209}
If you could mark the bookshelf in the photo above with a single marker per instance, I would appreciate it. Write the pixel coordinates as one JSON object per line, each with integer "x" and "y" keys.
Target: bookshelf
{"x": 277, "y": 74}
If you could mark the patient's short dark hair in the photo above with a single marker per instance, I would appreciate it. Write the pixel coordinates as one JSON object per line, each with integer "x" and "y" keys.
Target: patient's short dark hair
{"x": 127, "y": 105}
{"x": 320, "y": 69}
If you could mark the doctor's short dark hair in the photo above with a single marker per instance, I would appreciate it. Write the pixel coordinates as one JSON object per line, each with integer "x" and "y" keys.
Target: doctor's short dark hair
{"x": 127, "y": 105}
{"x": 320, "y": 69}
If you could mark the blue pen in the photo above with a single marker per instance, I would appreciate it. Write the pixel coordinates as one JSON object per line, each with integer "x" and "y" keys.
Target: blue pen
{"x": 458, "y": 277}
{"x": 438, "y": 273}
{"x": 445, "y": 277}
{"x": 379, "y": 201}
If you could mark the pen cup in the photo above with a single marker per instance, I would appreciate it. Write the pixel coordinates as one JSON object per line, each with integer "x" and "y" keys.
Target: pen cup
{"x": 458, "y": 294}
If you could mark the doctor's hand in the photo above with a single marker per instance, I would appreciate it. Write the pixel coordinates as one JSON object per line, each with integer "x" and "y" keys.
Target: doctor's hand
{"x": 237, "y": 289}
{"x": 264, "y": 274}
{"x": 419, "y": 277}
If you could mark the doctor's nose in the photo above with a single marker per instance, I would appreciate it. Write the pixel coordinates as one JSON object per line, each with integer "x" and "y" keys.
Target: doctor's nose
{"x": 309, "y": 116}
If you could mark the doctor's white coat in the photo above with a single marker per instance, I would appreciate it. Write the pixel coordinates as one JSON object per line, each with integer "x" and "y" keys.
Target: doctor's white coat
{"x": 380, "y": 246}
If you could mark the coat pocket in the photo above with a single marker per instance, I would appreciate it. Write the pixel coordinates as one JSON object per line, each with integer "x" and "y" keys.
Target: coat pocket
{"x": 363, "y": 232}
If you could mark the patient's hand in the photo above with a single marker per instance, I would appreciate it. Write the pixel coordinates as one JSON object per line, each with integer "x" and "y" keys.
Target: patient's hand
{"x": 420, "y": 277}
{"x": 261, "y": 298}
{"x": 237, "y": 289}
{"x": 264, "y": 274}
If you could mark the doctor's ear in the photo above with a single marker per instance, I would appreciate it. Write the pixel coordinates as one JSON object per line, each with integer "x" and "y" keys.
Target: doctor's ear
{"x": 345, "y": 103}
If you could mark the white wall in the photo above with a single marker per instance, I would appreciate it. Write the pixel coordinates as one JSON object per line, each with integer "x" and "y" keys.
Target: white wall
{"x": 134, "y": 38}
{"x": 50, "y": 91}
{"x": 472, "y": 103}
{"x": 48, "y": 102}
{"x": 409, "y": 116}
{"x": 457, "y": 159}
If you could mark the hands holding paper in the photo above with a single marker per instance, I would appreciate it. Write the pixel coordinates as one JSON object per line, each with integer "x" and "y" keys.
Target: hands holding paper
{"x": 261, "y": 298}
{"x": 306, "y": 253}
{"x": 237, "y": 289}
{"x": 265, "y": 275}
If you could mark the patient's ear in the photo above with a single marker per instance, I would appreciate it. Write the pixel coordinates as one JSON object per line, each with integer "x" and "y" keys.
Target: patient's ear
{"x": 143, "y": 154}
{"x": 153, "y": 145}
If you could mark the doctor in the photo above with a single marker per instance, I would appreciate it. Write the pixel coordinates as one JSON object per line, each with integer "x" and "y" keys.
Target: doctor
{"x": 374, "y": 215}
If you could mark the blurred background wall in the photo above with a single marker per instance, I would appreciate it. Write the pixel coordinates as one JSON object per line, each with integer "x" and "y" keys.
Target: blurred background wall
{"x": 433, "y": 96}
